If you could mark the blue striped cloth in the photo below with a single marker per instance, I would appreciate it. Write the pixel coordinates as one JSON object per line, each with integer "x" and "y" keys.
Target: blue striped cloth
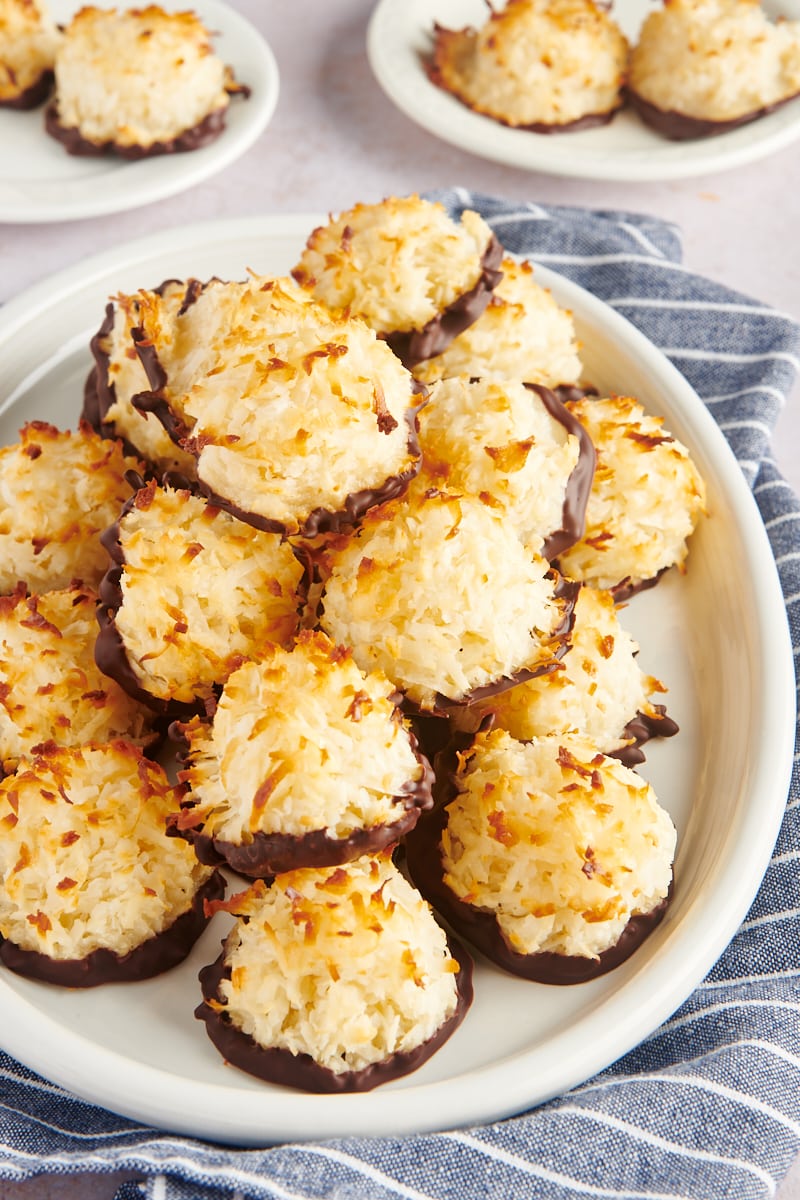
{"x": 709, "y": 1105}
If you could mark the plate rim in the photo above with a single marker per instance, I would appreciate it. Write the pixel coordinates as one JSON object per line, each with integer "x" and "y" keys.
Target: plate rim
{"x": 194, "y": 166}
{"x": 153, "y": 1096}
{"x": 488, "y": 139}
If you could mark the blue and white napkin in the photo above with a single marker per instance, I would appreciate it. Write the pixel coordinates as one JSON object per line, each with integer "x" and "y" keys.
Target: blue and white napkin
{"x": 709, "y": 1105}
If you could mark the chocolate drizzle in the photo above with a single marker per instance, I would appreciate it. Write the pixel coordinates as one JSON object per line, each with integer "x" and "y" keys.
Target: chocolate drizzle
{"x": 641, "y": 729}
{"x": 414, "y": 346}
{"x": 157, "y": 954}
{"x": 75, "y": 143}
{"x": 579, "y": 484}
{"x": 679, "y": 127}
{"x": 479, "y": 926}
{"x": 280, "y": 1066}
{"x": 268, "y": 854}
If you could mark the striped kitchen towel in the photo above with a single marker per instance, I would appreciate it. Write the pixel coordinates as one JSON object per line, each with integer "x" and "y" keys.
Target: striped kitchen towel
{"x": 709, "y": 1105}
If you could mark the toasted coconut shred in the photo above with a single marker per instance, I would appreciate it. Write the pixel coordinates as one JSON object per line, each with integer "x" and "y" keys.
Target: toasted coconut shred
{"x": 301, "y": 740}
{"x": 495, "y": 440}
{"x": 647, "y": 497}
{"x": 200, "y": 589}
{"x": 345, "y": 965}
{"x": 562, "y": 844}
{"x": 535, "y": 62}
{"x": 717, "y": 60}
{"x": 28, "y": 43}
{"x": 58, "y": 492}
{"x": 137, "y": 78}
{"x": 288, "y": 407}
{"x": 397, "y": 264}
{"x": 85, "y": 862}
{"x": 50, "y": 687}
{"x": 440, "y": 594}
{"x": 598, "y": 688}
{"x": 523, "y": 334}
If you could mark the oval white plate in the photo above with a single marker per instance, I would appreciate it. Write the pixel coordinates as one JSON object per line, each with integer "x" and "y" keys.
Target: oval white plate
{"x": 41, "y": 182}
{"x": 399, "y": 35}
{"x": 717, "y": 637}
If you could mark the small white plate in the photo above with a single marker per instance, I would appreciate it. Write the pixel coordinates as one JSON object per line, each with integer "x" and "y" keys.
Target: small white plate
{"x": 41, "y": 182}
{"x": 717, "y": 636}
{"x": 399, "y": 35}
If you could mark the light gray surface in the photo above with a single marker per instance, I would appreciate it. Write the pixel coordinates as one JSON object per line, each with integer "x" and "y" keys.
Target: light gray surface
{"x": 335, "y": 139}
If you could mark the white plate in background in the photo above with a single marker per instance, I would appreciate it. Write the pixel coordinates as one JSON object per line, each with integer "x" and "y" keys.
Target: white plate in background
{"x": 399, "y": 36}
{"x": 717, "y": 637}
{"x": 40, "y": 182}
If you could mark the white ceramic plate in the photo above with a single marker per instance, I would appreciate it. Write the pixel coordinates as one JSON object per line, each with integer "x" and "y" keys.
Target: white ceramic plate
{"x": 41, "y": 182}
{"x": 400, "y": 33}
{"x": 717, "y": 636}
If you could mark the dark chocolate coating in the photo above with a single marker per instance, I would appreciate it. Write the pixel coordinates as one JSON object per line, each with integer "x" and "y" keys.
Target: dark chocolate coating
{"x": 32, "y": 96}
{"x": 268, "y": 854}
{"x": 415, "y": 345}
{"x": 152, "y": 957}
{"x": 579, "y": 484}
{"x": 74, "y": 142}
{"x": 679, "y": 127}
{"x": 480, "y": 928}
{"x": 301, "y": 1070}
{"x": 641, "y": 728}
{"x": 623, "y": 590}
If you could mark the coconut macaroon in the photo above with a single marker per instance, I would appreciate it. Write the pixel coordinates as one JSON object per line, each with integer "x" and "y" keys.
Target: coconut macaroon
{"x": 306, "y": 763}
{"x": 28, "y": 43}
{"x": 701, "y": 67}
{"x": 520, "y": 451}
{"x": 647, "y": 497}
{"x": 299, "y": 418}
{"x": 118, "y": 377}
{"x": 599, "y": 690}
{"x": 521, "y": 334}
{"x": 59, "y": 490}
{"x": 416, "y": 275}
{"x": 439, "y": 593}
{"x": 544, "y": 65}
{"x": 91, "y": 888}
{"x": 51, "y": 688}
{"x": 551, "y": 858}
{"x": 334, "y": 980}
{"x": 192, "y": 590}
{"x": 138, "y": 81}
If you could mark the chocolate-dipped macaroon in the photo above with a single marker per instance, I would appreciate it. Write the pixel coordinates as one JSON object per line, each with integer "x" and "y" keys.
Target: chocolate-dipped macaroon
{"x": 647, "y": 497}
{"x": 552, "y": 859}
{"x": 521, "y": 334}
{"x": 28, "y": 43}
{"x": 191, "y": 591}
{"x": 439, "y": 593}
{"x": 59, "y": 490}
{"x": 306, "y": 762}
{"x": 91, "y": 888}
{"x": 300, "y": 419}
{"x": 599, "y": 690}
{"x": 334, "y": 980}
{"x": 518, "y": 450}
{"x": 50, "y": 686}
{"x": 138, "y": 82}
{"x": 703, "y": 67}
{"x": 413, "y": 273}
{"x": 549, "y": 66}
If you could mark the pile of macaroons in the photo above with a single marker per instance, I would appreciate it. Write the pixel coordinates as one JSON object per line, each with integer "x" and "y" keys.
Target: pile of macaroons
{"x": 135, "y": 82}
{"x": 358, "y": 539}
{"x": 697, "y": 67}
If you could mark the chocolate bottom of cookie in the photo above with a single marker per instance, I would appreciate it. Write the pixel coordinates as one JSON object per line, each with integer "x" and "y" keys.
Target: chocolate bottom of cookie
{"x": 195, "y": 138}
{"x": 32, "y": 96}
{"x": 154, "y": 956}
{"x": 277, "y": 1065}
{"x": 641, "y": 729}
{"x": 679, "y": 127}
{"x": 479, "y": 927}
